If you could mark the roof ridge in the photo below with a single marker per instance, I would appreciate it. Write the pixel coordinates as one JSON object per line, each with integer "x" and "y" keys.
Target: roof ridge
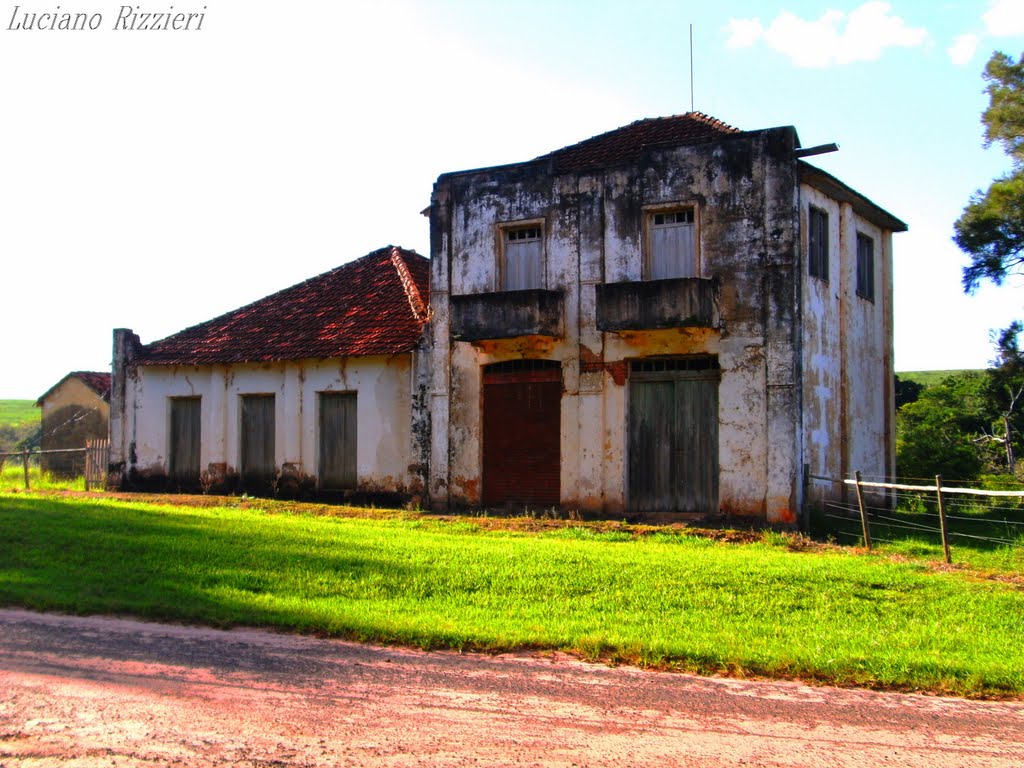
{"x": 714, "y": 122}
{"x": 412, "y": 291}
{"x": 627, "y": 142}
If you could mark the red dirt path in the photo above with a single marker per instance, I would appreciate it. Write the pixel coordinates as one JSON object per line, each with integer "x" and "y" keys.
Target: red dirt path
{"x": 109, "y": 692}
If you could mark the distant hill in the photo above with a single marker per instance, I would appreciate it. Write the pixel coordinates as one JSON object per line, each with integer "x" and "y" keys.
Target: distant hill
{"x": 928, "y": 378}
{"x": 20, "y": 423}
{"x": 16, "y": 413}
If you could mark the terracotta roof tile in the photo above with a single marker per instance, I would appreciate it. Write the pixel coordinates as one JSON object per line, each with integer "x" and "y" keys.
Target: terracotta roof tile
{"x": 627, "y": 143}
{"x": 97, "y": 381}
{"x": 376, "y": 305}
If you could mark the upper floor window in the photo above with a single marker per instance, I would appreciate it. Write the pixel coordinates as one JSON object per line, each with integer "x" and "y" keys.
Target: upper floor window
{"x": 671, "y": 243}
{"x": 865, "y": 267}
{"x": 817, "y": 243}
{"x": 522, "y": 256}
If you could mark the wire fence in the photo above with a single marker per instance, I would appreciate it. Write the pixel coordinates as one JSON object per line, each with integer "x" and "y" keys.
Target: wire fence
{"x": 975, "y": 516}
{"x": 95, "y": 456}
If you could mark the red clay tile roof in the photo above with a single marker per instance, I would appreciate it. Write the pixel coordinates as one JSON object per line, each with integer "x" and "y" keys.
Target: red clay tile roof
{"x": 626, "y": 144}
{"x": 97, "y": 381}
{"x": 376, "y": 305}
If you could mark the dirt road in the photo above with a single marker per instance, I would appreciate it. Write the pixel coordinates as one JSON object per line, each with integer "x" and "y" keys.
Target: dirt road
{"x": 108, "y": 692}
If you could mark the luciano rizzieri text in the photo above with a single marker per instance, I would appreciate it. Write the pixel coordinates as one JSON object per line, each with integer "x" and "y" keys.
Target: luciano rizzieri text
{"x": 130, "y": 18}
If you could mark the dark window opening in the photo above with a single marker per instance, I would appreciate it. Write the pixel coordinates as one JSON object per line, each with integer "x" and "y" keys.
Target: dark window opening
{"x": 865, "y": 267}
{"x": 817, "y": 244}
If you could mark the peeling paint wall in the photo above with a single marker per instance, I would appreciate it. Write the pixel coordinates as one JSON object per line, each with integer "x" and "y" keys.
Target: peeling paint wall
{"x": 745, "y": 196}
{"x": 847, "y": 357}
{"x": 384, "y": 386}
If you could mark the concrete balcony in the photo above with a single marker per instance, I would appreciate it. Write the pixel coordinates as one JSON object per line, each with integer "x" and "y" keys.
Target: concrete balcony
{"x": 680, "y": 302}
{"x": 507, "y": 314}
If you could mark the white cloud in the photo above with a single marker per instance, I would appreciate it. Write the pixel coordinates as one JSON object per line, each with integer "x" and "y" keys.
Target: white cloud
{"x": 963, "y": 48}
{"x": 1005, "y": 18}
{"x": 834, "y": 38}
{"x": 743, "y": 33}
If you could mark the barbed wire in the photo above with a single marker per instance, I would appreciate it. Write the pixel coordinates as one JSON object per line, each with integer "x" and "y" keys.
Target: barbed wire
{"x": 913, "y": 521}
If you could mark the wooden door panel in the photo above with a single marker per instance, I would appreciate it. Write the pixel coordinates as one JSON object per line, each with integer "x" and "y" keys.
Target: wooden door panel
{"x": 673, "y": 441}
{"x": 650, "y": 446}
{"x": 337, "y": 440}
{"x": 258, "y": 465}
{"x": 185, "y": 440}
{"x": 522, "y": 442}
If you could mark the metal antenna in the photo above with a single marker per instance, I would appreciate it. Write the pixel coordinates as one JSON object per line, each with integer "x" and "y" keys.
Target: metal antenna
{"x": 691, "y": 67}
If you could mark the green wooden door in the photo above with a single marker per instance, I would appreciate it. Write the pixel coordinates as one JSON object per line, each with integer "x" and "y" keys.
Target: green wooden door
{"x": 185, "y": 441}
{"x": 337, "y": 440}
{"x": 673, "y": 435}
{"x": 258, "y": 467}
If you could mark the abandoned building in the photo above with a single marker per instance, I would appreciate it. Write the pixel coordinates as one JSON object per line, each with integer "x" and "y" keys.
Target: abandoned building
{"x": 309, "y": 389}
{"x": 75, "y": 409}
{"x": 673, "y": 317}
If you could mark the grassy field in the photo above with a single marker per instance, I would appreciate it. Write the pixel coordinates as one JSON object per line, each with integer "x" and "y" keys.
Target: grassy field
{"x": 17, "y": 413}
{"x": 929, "y": 378}
{"x": 666, "y": 599}
{"x": 12, "y": 478}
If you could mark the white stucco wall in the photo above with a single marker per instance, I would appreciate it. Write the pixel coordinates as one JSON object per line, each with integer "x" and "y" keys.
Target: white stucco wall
{"x": 847, "y": 355}
{"x": 382, "y": 386}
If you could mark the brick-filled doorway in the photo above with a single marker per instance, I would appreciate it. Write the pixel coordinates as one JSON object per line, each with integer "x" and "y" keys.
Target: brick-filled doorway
{"x": 522, "y": 433}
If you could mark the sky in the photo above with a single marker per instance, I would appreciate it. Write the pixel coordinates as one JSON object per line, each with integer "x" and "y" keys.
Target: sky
{"x": 154, "y": 179}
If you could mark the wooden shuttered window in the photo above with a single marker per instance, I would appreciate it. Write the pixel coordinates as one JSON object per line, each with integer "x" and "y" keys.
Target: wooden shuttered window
{"x": 337, "y": 440}
{"x": 524, "y": 258}
{"x": 673, "y": 244}
{"x": 257, "y": 439}
{"x": 865, "y": 267}
{"x": 673, "y": 435}
{"x": 185, "y": 440}
{"x": 817, "y": 243}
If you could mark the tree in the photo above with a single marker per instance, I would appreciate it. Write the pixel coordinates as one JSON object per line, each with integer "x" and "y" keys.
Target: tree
{"x": 1005, "y": 391}
{"x": 991, "y": 228}
{"x": 906, "y": 391}
{"x": 937, "y": 433}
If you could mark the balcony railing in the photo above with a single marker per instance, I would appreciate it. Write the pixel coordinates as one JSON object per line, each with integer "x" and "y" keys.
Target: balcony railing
{"x": 652, "y": 304}
{"x": 507, "y": 314}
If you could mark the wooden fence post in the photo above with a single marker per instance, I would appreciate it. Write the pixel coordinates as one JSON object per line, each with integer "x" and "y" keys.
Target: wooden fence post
{"x": 24, "y": 461}
{"x": 942, "y": 519}
{"x": 863, "y": 512}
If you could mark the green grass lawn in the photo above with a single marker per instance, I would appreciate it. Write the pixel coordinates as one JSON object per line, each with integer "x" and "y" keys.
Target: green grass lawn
{"x": 17, "y": 413}
{"x": 12, "y": 477}
{"x": 666, "y": 599}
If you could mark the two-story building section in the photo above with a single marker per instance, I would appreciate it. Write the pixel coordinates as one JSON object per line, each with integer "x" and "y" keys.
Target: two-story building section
{"x": 672, "y": 317}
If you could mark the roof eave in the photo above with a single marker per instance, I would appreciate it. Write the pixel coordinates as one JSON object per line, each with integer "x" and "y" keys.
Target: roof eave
{"x": 836, "y": 189}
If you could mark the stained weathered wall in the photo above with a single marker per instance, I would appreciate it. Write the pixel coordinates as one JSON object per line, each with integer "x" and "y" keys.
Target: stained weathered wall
{"x": 388, "y": 456}
{"x": 847, "y": 356}
{"x": 745, "y": 194}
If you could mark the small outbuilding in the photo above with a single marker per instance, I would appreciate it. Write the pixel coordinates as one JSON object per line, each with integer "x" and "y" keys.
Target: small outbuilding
{"x": 75, "y": 409}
